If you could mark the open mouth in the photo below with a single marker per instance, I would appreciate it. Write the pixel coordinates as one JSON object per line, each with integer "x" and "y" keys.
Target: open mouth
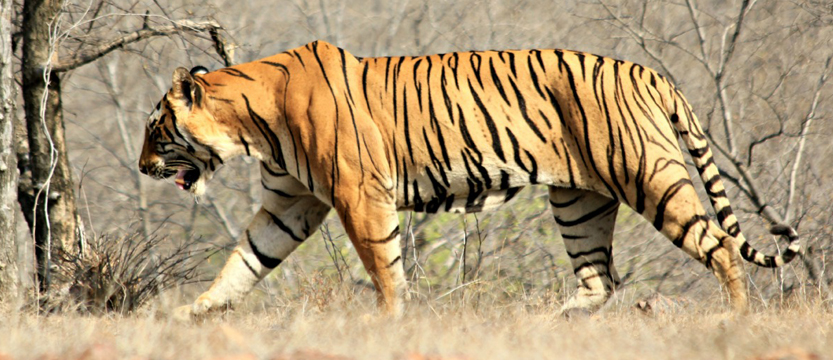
{"x": 185, "y": 178}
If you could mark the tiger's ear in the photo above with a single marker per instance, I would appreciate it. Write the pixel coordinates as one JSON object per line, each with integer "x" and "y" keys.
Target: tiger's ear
{"x": 183, "y": 86}
{"x": 199, "y": 70}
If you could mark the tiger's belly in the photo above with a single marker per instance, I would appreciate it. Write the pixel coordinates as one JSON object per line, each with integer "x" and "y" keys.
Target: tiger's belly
{"x": 460, "y": 202}
{"x": 458, "y": 193}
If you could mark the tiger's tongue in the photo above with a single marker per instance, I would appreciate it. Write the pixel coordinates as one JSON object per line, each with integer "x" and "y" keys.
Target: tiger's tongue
{"x": 180, "y": 179}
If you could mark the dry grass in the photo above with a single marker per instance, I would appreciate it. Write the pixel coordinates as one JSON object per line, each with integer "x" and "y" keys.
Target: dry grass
{"x": 344, "y": 324}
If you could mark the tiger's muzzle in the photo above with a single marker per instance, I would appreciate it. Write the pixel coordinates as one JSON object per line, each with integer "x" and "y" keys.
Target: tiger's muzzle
{"x": 186, "y": 172}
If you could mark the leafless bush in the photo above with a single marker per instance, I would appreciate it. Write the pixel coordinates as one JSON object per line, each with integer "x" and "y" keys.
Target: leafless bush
{"x": 121, "y": 273}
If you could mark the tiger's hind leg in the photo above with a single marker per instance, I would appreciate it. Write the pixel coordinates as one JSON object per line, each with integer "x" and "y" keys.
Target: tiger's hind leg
{"x": 676, "y": 211}
{"x": 586, "y": 220}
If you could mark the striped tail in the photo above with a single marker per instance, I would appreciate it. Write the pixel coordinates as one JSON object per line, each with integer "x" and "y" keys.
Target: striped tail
{"x": 692, "y": 134}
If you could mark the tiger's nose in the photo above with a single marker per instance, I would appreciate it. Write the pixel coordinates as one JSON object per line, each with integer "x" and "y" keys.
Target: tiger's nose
{"x": 145, "y": 167}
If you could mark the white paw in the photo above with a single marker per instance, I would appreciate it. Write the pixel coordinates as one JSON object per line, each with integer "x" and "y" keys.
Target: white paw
{"x": 201, "y": 306}
{"x": 183, "y": 313}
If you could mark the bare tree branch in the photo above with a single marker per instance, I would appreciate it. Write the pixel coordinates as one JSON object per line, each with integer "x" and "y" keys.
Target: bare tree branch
{"x": 805, "y": 126}
{"x": 94, "y": 53}
{"x": 639, "y": 37}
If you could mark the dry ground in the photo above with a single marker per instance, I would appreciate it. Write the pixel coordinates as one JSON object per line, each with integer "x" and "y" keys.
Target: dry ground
{"x": 350, "y": 329}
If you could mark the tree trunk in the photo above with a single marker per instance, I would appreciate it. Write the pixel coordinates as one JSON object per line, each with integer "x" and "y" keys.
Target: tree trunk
{"x": 9, "y": 281}
{"x": 54, "y": 228}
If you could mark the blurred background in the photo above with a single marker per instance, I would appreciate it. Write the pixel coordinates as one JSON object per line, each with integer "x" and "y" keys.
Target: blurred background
{"x": 762, "y": 93}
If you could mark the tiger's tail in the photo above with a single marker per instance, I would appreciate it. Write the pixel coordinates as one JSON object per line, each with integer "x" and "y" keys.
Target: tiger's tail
{"x": 692, "y": 134}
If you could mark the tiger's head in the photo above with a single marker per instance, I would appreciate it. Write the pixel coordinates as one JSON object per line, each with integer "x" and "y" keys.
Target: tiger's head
{"x": 180, "y": 136}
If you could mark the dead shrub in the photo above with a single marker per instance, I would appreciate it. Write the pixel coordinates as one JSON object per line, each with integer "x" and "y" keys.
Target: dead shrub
{"x": 121, "y": 273}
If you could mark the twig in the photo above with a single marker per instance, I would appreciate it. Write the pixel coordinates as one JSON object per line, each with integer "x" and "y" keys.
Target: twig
{"x": 449, "y": 292}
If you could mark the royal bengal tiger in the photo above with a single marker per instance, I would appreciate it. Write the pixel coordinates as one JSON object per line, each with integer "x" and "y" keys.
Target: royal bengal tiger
{"x": 459, "y": 132}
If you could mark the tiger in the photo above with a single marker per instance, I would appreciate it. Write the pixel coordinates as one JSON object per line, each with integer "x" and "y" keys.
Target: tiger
{"x": 459, "y": 132}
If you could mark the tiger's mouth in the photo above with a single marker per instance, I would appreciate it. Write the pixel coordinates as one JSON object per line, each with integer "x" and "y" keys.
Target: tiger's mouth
{"x": 186, "y": 174}
{"x": 185, "y": 178}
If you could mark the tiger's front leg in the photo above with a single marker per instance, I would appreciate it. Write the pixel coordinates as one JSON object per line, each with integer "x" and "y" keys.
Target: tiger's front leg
{"x": 373, "y": 229}
{"x": 289, "y": 215}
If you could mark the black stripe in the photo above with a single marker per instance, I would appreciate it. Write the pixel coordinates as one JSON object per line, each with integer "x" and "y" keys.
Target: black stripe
{"x": 406, "y": 124}
{"x": 252, "y": 269}
{"x": 397, "y": 259}
{"x": 602, "y": 249}
{"x": 678, "y": 242}
{"x": 227, "y": 101}
{"x": 511, "y": 192}
{"x": 277, "y": 65}
{"x": 723, "y": 213}
{"x": 344, "y": 71}
{"x": 364, "y": 88}
{"x": 565, "y": 204}
{"x": 698, "y": 153}
{"x": 237, "y": 73}
{"x": 465, "y": 132}
{"x": 533, "y": 172}
{"x": 272, "y": 172}
{"x": 434, "y": 160}
{"x": 387, "y": 72}
{"x": 476, "y": 61}
{"x": 593, "y": 263}
{"x": 264, "y": 259}
{"x": 490, "y": 123}
{"x": 534, "y": 75}
{"x": 268, "y": 134}
{"x": 310, "y": 182}
{"x": 524, "y": 114}
{"x": 389, "y": 238}
{"x": 672, "y": 190}
{"x": 446, "y": 97}
{"x": 569, "y": 165}
{"x": 244, "y": 142}
{"x": 417, "y": 85}
{"x": 504, "y": 180}
{"x": 484, "y": 173}
{"x": 707, "y": 259}
{"x": 496, "y": 81}
{"x": 586, "y": 217}
{"x": 298, "y": 56}
{"x": 419, "y": 204}
{"x": 276, "y": 191}
{"x": 283, "y": 227}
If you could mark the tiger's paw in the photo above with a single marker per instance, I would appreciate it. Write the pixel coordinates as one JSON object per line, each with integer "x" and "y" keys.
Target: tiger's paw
{"x": 194, "y": 312}
{"x": 183, "y": 314}
{"x": 201, "y": 306}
